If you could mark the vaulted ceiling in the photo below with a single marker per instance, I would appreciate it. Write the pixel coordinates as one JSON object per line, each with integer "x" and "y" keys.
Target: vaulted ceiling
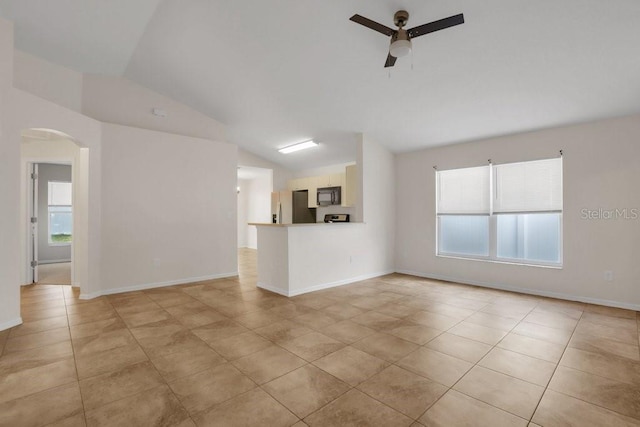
{"x": 282, "y": 71}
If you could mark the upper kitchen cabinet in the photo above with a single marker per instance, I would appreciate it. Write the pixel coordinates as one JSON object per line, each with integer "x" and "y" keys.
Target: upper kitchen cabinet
{"x": 298, "y": 184}
{"x": 333, "y": 180}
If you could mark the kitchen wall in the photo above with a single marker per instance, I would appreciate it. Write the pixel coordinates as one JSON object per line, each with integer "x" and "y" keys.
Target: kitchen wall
{"x": 48, "y": 253}
{"x": 601, "y": 171}
{"x": 280, "y": 175}
{"x": 169, "y": 209}
{"x": 243, "y": 212}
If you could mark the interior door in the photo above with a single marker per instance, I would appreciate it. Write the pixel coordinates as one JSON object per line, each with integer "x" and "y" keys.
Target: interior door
{"x": 34, "y": 222}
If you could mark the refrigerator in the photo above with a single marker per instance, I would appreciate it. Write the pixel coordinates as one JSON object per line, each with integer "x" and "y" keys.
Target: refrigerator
{"x": 291, "y": 207}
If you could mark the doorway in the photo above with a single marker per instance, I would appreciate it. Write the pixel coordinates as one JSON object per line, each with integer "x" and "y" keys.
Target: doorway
{"x": 52, "y": 222}
{"x": 52, "y": 215}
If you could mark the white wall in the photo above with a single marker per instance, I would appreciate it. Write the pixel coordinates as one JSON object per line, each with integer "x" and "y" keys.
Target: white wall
{"x": 9, "y": 189}
{"x": 377, "y": 189}
{"x": 243, "y": 211}
{"x": 169, "y": 209}
{"x": 601, "y": 170}
{"x": 258, "y": 206}
{"x": 118, "y": 100}
{"x": 47, "y": 80}
{"x": 280, "y": 175}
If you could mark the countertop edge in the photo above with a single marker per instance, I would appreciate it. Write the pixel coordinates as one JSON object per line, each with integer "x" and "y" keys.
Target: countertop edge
{"x": 315, "y": 224}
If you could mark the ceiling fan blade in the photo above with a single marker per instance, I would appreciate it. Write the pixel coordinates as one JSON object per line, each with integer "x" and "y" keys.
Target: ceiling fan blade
{"x": 441, "y": 24}
{"x": 391, "y": 61}
{"x": 373, "y": 25}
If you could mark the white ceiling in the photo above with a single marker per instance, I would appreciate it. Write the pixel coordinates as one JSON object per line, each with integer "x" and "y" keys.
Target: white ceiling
{"x": 282, "y": 71}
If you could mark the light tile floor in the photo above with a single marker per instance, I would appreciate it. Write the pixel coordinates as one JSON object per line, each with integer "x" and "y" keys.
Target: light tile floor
{"x": 395, "y": 350}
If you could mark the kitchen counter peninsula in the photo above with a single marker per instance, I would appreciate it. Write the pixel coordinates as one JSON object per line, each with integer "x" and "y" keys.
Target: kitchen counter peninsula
{"x": 294, "y": 259}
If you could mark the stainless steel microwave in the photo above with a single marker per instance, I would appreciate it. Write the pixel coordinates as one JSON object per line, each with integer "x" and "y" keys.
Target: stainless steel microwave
{"x": 329, "y": 196}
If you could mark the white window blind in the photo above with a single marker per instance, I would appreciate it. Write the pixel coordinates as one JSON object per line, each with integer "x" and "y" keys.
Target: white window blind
{"x": 528, "y": 187}
{"x": 464, "y": 191}
{"x": 59, "y": 193}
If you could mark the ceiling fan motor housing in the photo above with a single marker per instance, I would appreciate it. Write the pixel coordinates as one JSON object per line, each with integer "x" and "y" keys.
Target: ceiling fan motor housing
{"x": 401, "y": 18}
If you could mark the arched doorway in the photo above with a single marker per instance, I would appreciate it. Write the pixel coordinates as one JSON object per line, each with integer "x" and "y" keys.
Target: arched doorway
{"x": 64, "y": 219}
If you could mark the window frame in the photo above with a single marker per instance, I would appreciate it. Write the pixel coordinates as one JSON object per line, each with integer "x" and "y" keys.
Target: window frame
{"x": 493, "y": 233}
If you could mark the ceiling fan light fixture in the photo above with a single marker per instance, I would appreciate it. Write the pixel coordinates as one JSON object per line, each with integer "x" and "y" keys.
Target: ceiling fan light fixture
{"x": 400, "y": 48}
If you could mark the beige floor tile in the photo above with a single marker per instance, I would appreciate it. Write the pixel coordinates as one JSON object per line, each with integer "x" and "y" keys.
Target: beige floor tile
{"x": 311, "y": 346}
{"x": 198, "y": 318}
{"x": 557, "y": 409}
{"x": 375, "y": 320}
{"x": 240, "y": 345}
{"x": 27, "y": 381}
{"x": 605, "y": 346}
{"x": 103, "y": 362}
{"x": 614, "y": 333}
{"x": 258, "y": 319}
{"x": 507, "y": 310}
{"x": 30, "y": 327}
{"x": 252, "y": 408}
{"x": 315, "y": 320}
{"x": 201, "y": 391}
{"x": 616, "y": 368}
{"x": 403, "y": 391}
{"x": 291, "y": 310}
{"x": 394, "y": 309}
{"x": 103, "y": 342}
{"x": 45, "y": 313}
{"x": 37, "y": 339}
{"x": 351, "y": 365}
{"x": 552, "y": 320}
{"x": 505, "y": 392}
{"x": 282, "y": 331}
{"x": 527, "y": 368}
{"x": 306, "y": 389}
{"x": 268, "y": 364}
{"x": 610, "y": 311}
{"x": 168, "y": 298}
{"x": 347, "y": 331}
{"x": 414, "y": 332}
{"x": 314, "y": 301}
{"x": 219, "y": 330}
{"x": 43, "y": 408}
{"x": 96, "y": 328}
{"x": 27, "y": 359}
{"x": 493, "y": 321}
{"x": 453, "y": 311}
{"x": 144, "y": 318}
{"x": 73, "y": 421}
{"x": 186, "y": 360}
{"x": 433, "y": 320}
{"x": 533, "y": 347}
{"x": 154, "y": 407}
{"x": 80, "y": 318}
{"x": 369, "y": 302}
{"x": 357, "y": 409}
{"x": 545, "y": 333}
{"x": 434, "y": 365}
{"x": 616, "y": 322}
{"x": 477, "y": 332}
{"x": 457, "y": 409}
{"x": 102, "y": 389}
{"x": 460, "y": 347}
{"x": 343, "y": 311}
{"x": 384, "y": 346}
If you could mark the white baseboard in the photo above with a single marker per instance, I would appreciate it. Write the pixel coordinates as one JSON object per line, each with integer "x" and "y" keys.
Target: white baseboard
{"x": 321, "y": 286}
{"x": 503, "y": 287}
{"x": 10, "y": 323}
{"x": 156, "y": 285}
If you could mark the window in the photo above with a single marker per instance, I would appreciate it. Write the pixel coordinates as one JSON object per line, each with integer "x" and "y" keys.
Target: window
{"x": 510, "y": 212}
{"x": 60, "y": 213}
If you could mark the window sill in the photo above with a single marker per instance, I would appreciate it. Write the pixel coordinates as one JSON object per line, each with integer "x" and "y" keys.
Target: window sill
{"x": 60, "y": 244}
{"x": 495, "y": 261}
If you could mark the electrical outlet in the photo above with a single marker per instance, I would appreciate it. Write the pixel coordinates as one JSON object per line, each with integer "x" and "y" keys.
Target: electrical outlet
{"x": 608, "y": 276}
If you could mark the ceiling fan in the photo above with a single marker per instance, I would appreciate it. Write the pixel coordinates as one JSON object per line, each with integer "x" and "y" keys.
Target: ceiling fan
{"x": 401, "y": 38}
